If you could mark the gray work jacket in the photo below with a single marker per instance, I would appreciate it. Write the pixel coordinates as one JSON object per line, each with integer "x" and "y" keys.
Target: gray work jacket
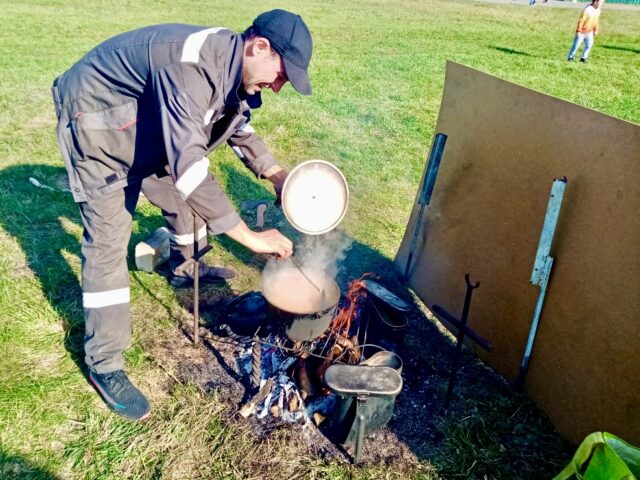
{"x": 156, "y": 100}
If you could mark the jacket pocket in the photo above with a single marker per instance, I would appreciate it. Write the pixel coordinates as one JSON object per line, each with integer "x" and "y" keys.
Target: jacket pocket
{"x": 108, "y": 135}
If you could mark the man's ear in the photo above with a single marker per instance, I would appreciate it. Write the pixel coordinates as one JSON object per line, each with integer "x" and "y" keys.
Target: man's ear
{"x": 261, "y": 46}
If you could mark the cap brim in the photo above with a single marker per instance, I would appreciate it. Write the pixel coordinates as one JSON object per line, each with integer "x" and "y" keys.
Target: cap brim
{"x": 297, "y": 76}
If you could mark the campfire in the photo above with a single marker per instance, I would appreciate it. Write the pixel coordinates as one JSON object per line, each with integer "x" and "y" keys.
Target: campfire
{"x": 291, "y": 372}
{"x": 297, "y": 379}
{"x": 320, "y": 367}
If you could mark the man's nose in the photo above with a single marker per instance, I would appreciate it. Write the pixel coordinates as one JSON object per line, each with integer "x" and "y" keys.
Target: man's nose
{"x": 277, "y": 85}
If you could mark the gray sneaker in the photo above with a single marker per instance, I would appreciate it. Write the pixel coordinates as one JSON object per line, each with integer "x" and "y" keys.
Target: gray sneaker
{"x": 120, "y": 394}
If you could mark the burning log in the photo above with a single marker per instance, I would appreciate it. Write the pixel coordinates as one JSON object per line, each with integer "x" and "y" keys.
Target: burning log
{"x": 249, "y": 407}
{"x": 279, "y": 396}
{"x": 344, "y": 342}
{"x": 294, "y": 405}
{"x": 354, "y": 340}
{"x": 318, "y": 418}
{"x": 308, "y": 389}
{"x": 320, "y": 408}
{"x": 336, "y": 352}
{"x": 353, "y": 356}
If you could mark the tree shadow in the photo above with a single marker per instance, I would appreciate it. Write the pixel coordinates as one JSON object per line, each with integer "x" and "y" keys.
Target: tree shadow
{"x": 14, "y": 467}
{"x": 622, "y": 49}
{"x": 511, "y": 51}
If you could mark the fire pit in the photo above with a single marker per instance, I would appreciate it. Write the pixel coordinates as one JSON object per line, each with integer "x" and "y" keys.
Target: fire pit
{"x": 320, "y": 370}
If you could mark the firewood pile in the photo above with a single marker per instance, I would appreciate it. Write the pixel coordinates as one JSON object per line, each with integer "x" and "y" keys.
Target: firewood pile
{"x": 291, "y": 373}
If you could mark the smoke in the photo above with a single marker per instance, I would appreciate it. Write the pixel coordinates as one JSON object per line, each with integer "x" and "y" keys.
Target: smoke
{"x": 323, "y": 253}
{"x": 317, "y": 254}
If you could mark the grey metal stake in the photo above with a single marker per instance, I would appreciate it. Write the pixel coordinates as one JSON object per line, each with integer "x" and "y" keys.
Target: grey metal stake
{"x": 196, "y": 284}
{"x": 542, "y": 269}
{"x": 256, "y": 357}
{"x": 427, "y": 189}
{"x": 182, "y": 268}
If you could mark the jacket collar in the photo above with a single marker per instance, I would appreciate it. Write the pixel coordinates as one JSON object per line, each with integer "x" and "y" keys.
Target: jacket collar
{"x": 233, "y": 90}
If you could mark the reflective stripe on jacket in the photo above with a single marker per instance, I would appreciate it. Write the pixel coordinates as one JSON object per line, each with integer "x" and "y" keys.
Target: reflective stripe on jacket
{"x": 160, "y": 98}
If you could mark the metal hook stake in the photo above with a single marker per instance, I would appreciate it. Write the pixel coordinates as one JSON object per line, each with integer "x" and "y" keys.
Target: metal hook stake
{"x": 460, "y": 337}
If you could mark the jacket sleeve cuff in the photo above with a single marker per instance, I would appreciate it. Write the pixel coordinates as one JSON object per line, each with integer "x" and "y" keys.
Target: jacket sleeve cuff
{"x": 263, "y": 163}
{"x": 223, "y": 224}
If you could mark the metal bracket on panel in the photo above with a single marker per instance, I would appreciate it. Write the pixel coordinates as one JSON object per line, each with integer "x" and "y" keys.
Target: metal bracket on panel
{"x": 542, "y": 269}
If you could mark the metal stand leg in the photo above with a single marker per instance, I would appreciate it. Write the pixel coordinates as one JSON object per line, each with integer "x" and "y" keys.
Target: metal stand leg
{"x": 460, "y": 340}
{"x": 360, "y": 417}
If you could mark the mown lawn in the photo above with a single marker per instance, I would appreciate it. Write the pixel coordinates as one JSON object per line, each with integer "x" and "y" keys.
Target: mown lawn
{"x": 377, "y": 73}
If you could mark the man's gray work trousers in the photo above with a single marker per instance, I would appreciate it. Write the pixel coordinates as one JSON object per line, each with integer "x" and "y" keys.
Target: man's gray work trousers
{"x": 163, "y": 194}
{"x": 105, "y": 276}
{"x": 107, "y": 229}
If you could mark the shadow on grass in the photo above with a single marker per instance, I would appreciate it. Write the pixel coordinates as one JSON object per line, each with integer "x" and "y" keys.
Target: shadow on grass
{"x": 622, "y": 49}
{"x": 511, "y": 51}
{"x": 488, "y": 431}
{"x": 17, "y": 468}
{"x": 41, "y": 220}
{"x": 37, "y": 218}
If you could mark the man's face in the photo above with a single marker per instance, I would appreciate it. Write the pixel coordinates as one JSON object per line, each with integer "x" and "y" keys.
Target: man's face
{"x": 262, "y": 67}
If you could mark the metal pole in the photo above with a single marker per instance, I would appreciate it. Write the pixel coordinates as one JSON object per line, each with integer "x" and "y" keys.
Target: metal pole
{"x": 196, "y": 284}
{"x": 460, "y": 340}
{"x": 185, "y": 267}
{"x": 256, "y": 356}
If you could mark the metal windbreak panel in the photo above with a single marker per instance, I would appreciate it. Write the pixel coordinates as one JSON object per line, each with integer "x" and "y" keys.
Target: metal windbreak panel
{"x": 505, "y": 145}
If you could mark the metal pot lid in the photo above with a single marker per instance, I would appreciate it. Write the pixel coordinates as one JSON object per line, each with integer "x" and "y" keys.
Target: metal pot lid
{"x": 315, "y": 197}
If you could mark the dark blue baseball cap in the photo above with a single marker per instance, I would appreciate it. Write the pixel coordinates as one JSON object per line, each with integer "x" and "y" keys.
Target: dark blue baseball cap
{"x": 291, "y": 39}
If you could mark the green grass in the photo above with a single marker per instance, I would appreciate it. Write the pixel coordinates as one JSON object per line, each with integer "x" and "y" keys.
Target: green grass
{"x": 377, "y": 73}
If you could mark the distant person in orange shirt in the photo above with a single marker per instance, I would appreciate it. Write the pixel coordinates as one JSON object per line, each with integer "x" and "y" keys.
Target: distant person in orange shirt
{"x": 586, "y": 30}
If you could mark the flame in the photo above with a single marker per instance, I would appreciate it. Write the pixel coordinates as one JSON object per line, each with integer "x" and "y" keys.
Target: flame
{"x": 356, "y": 293}
{"x": 344, "y": 347}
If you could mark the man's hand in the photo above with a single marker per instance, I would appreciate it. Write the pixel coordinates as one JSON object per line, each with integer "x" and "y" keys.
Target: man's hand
{"x": 272, "y": 241}
{"x": 277, "y": 175}
{"x": 269, "y": 241}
